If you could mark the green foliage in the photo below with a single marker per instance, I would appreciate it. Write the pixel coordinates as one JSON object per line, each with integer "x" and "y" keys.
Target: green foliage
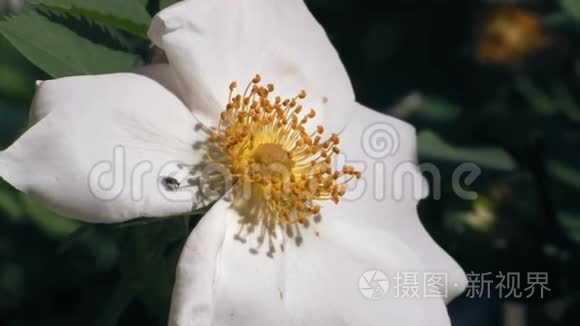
{"x": 571, "y": 224}
{"x": 49, "y": 222}
{"x": 15, "y": 82}
{"x": 59, "y": 51}
{"x": 557, "y": 100}
{"x": 149, "y": 254}
{"x": 571, "y": 7}
{"x": 9, "y": 204}
{"x": 564, "y": 173}
{"x": 127, "y": 15}
{"x": 20, "y": 208}
{"x": 432, "y": 146}
{"x": 166, "y": 3}
{"x": 437, "y": 110}
{"x": 539, "y": 101}
{"x": 12, "y": 81}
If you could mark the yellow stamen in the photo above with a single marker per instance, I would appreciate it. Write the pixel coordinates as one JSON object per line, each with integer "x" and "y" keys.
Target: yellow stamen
{"x": 264, "y": 142}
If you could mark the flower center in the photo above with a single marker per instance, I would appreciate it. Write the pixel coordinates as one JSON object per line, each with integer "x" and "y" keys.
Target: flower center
{"x": 269, "y": 154}
{"x": 263, "y": 143}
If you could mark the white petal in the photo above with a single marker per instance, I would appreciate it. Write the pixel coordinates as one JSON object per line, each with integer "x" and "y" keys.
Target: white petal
{"x": 224, "y": 281}
{"x": 310, "y": 276}
{"x": 212, "y": 43}
{"x": 163, "y": 74}
{"x": 102, "y": 147}
{"x": 193, "y": 292}
{"x": 43, "y": 105}
{"x": 386, "y": 196}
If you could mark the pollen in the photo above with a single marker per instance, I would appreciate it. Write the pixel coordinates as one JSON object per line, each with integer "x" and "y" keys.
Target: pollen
{"x": 263, "y": 141}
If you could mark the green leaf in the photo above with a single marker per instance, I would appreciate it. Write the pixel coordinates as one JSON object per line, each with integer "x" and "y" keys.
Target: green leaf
{"x": 437, "y": 109}
{"x": 148, "y": 259}
{"x": 431, "y": 146}
{"x": 571, "y": 7}
{"x": 13, "y": 82}
{"x": 166, "y": 3}
{"x": 128, "y": 15}
{"x": 540, "y": 102}
{"x": 9, "y": 204}
{"x": 564, "y": 173}
{"x": 49, "y": 222}
{"x": 113, "y": 308}
{"x": 16, "y": 80}
{"x": 571, "y": 224}
{"x": 566, "y": 101}
{"x": 59, "y": 51}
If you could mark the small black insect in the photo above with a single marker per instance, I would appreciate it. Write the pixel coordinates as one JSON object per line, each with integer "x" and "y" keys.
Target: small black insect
{"x": 170, "y": 183}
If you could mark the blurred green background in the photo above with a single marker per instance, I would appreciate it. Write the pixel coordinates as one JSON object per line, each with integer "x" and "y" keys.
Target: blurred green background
{"x": 495, "y": 83}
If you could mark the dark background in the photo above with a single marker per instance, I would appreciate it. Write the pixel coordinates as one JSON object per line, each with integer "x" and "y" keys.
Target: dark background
{"x": 494, "y": 83}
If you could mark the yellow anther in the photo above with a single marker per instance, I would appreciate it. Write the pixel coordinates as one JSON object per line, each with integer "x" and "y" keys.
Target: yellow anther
{"x": 334, "y": 138}
{"x": 315, "y": 209}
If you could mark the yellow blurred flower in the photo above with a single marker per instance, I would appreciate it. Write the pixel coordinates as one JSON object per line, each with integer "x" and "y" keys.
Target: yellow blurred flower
{"x": 510, "y": 33}
{"x": 482, "y": 217}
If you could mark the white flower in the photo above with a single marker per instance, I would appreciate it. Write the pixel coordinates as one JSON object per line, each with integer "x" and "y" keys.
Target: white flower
{"x": 107, "y": 149}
